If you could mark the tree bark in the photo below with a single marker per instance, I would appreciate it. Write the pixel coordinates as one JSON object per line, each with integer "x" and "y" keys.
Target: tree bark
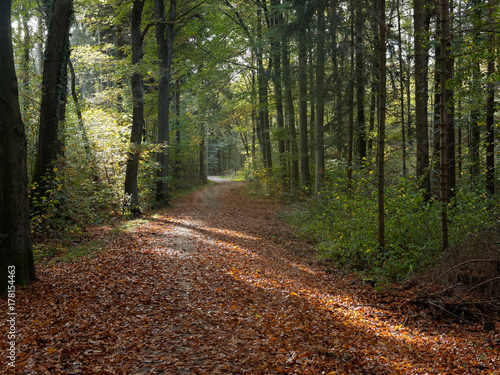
{"x": 290, "y": 112}
{"x": 305, "y": 175}
{"x": 263, "y": 94}
{"x": 320, "y": 98}
{"x": 16, "y": 252}
{"x": 165, "y": 47}
{"x": 490, "y": 107}
{"x": 131, "y": 188}
{"x": 360, "y": 84}
{"x": 421, "y": 96}
{"x": 350, "y": 145}
{"x": 401, "y": 89}
{"x": 276, "y": 20}
{"x": 381, "y": 128}
{"x": 53, "y": 91}
{"x": 444, "y": 21}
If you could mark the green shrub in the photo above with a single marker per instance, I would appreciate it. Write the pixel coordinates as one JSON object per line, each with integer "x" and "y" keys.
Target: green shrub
{"x": 345, "y": 225}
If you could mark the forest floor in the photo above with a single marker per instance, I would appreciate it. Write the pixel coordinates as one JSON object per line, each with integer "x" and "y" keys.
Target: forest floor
{"x": 217, "y": 285}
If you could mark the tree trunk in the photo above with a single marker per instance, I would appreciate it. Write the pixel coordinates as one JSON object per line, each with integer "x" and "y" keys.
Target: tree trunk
{"x": 177, "y": 111}
{"x": 165, "y": 46}
{"x": 490, "y": 108}
{"x": 16, "y": 252}
{"x": 402, "y": 89}
{"x": 278, "y": 92}
{"x": 421, "y": 94}
{"x": 381, "y": 128}
{"x": 263, "y": 111}
{"x": 305, "y": 175}
{"x": 290, "y": 113}
{"x": 53, "y": 90}
{"x": 320, "y": 98}
{"x": 450, "y": 170}
{"x": 131, "y": 188}
{"x": 444, "y": 21}
{"x": 360, "y": 84}
{"x": 350, "y": 145}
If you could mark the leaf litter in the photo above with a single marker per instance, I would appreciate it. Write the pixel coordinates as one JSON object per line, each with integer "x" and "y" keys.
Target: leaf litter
{"x": 217, "y": 285}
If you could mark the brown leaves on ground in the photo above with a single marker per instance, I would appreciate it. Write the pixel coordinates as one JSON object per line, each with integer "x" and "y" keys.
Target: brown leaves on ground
{"x": 216, "y": 285}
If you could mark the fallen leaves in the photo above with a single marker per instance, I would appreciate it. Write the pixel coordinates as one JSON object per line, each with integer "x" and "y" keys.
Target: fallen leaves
{"x": 207, "y": 288}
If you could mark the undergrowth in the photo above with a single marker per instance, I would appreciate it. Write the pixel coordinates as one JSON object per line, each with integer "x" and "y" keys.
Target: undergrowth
{"x": 344, "y": 225}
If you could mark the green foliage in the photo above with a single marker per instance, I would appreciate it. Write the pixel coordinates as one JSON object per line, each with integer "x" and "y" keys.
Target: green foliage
{"x": 345, "y": 226}
{"x": 67, "y": 253}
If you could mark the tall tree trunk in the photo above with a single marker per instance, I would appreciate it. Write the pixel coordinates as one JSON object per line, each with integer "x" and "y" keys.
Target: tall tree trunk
{"x": 360, "y": 84}
{"x": 305, "y": 175}
{"x": 53, "y": 91}
{"x": 421, "y": 95}
{"x": 131, "y": 188}
{"x": 203, "y": 169}
{"x": 450, "y": 111}
{"x": 320, "y": 98}
{"x": 262, "y": 80}
{"x": 381, "y": 128}
{"x": 402, "y": 89}
{"x": 16, "y": 252}
{"x": 177, "y": 111}
{"x": 375, "y": 85}
{"x": 490, "y": 106}
{"x": 351, "y": 106}
{"x": 165, "y": 46}
{"x": 475, "y": 130}
{"x": 278, "y": 92}
{"x": 444, "y": 21}
{"x": 290, "y": 112}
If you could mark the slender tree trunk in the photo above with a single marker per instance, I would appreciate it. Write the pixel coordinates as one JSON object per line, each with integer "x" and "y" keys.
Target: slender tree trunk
{"x": 320, "y": 98}
{"x": 450, "y": 112}
{"x": 177, "y": 111}
{"x": 16, "y": 251}
{"x": 290, "y": 113}
{"x": 203, "y": 170}
{"x": 475, "y": 130}
{"x": 351, "y": 106}
{"x": 381, "y": 128}
{"x": 421, "y": 94}
{"x": 490, "y": 106}
{"x": 375, "y": 85}
{"x": 402, "y": 89}
{"x": 305, "y": 175}
{"x": 263, "y": 103}
{"x": 360, "y": 84}
{"x": 53, "y": 90}
{"x": 444, "y": 21}
{"x": 165, "y": 46}
{"x": 131, "y": 188}
{"x": 278, "y": 92}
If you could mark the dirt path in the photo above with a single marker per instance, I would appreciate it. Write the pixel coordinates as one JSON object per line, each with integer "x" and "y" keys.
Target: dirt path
{"x": 216, "y": 285}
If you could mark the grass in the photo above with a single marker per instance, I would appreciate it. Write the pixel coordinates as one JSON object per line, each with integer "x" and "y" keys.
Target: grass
{"x": 67, "y": 252}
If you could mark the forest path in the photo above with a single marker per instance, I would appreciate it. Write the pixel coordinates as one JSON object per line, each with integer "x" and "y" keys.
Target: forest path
{"x": 217, "y": 285}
